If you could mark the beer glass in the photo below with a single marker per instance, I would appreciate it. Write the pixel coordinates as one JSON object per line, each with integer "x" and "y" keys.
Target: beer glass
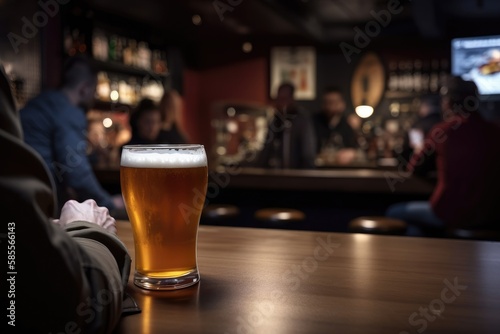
{"x": 164, "y": 188}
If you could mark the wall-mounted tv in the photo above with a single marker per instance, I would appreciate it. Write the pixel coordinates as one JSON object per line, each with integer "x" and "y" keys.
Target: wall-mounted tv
{"x": 478, "y": 59}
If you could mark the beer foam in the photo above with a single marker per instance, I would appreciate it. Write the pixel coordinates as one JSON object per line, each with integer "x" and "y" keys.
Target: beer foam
{"x": 163, "y": 158}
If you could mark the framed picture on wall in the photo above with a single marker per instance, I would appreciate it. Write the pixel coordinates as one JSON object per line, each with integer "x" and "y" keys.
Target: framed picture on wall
{"x": 296, "y": 65}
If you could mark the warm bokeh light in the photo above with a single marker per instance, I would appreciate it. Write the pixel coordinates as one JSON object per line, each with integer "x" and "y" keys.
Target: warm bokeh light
{"x": 196, "y": 20}
{"x": 221, "y": 150}
{"x": 231, "y": 112}
{"x": 114, "y": 95}
{"x": 364, "y": 111}
{"x": 107, "y": 122}
{"x": 247, "y": 47}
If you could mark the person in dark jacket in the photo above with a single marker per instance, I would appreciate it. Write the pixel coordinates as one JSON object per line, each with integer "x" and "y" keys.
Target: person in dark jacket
{"x": 55, "y": 125}
{"x": 290, "y": 141}
{"x": 333, "y": 132}
{"x": 465, "y": 148}
{"x": 145, "y": 122}
{"x": 66, "y": 268}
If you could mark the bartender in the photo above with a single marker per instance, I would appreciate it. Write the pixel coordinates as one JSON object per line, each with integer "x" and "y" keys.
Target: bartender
{"x": 335, "y": 137}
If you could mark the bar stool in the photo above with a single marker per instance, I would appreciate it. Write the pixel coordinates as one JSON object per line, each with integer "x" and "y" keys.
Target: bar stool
{"x": 279, "y": 215}
{"x": 219, "y": 214}
{"x": 473, "y": 234}
{"x": 377, "y": 225}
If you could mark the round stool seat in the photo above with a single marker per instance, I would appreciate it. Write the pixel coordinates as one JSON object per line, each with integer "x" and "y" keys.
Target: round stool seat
{"x": 279, "y": 215}
{"x": 220, "y": 211}
{"x": 473, "y": 234}
{"x": 378, "y": 225}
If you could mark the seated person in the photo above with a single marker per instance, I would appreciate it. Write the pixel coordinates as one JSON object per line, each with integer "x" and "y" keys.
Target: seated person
{"x": 55, "y": 125}
{"x": 290, "y": 141}
{"x": 145, "y": 123}
{"x": 62, "y": 265}
{"x": 171, "y": 109}
{"x": 333, "y": 132}
{"x": 466, "y": 150}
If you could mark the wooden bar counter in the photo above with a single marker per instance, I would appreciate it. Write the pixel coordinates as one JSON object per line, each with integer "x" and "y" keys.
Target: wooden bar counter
{"x": 350, "y": 180}
{"x": 276, "y": 281}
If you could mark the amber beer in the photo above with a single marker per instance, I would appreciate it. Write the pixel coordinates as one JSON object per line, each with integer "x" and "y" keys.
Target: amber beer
{"x": 164, "y": 187}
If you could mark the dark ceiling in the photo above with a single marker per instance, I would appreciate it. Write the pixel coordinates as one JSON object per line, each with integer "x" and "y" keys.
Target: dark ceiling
{"x": 318, "y": 21}
{"x": 226, "y": 24}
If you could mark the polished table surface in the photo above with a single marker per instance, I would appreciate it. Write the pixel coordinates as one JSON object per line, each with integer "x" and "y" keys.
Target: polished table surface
{"x": 277, "y": 281}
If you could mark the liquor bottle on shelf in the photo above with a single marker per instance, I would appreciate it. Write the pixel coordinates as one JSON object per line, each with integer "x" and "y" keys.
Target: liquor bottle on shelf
{"x": 103, "y": 88}
{"x": 137, "y": 92}
{"x": 68, "y": 40}
{"x": 127, "y": 55}
{"x": 148, "y": 55}
{"x": 408, "y": 76}
{"x": 417, "y": 76}
{"x": 133, "y": 52}
{"x": 134, "y": 98}
{"x": 99, "y": 45}
{"x": 443, "y": 73}
{"x": 112, "y": 47}
{"x": 425, "y": 76}
{"x": 159, "y": 62}
{"x": 75, "y": 40}
{"x": 153, "y": 90}
{"x": 163, "y": 57}
{"x": 126, "y": 92}
{"x": 393, "y": 76}
{"x": 401, "y": 77}
{"x": 434, "y": 76}
{"x": 82, "y": 44}
{"x": 119, "y": 49}
{"x": 143, "y": 56}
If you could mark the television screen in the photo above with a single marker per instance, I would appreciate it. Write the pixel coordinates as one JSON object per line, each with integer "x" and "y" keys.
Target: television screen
{"x": 478, "y": 59}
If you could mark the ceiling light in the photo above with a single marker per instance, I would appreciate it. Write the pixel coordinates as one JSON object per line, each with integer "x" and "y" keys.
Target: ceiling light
{"x": 196, "y": 19}
{"x": 247, "y": 47}
{"x": 364, "y": 111}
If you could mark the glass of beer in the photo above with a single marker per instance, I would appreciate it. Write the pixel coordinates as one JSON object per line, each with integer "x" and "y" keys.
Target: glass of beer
{"x": 164, "y": 188}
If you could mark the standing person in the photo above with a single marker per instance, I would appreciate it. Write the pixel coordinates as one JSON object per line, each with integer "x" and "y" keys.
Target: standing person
{"x": 466, "y": 150}
{"x": 72, "y": 264}
{"x": 55, "y": 125}
{"x": 172, "y": 131}
{"x": 332, "y": 128}
{"x": 290, "y": 141}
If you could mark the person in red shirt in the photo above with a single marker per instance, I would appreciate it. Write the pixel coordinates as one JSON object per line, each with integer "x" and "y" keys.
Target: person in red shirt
{"x": 465, "y": 148}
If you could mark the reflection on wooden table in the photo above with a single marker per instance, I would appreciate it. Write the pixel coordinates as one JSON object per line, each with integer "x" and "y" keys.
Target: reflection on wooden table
{"x": 275, "y": 281}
